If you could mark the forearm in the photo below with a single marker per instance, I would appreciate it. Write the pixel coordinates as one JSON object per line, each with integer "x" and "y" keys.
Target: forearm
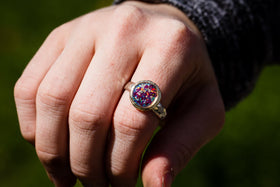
{"x": 241, "y": 37}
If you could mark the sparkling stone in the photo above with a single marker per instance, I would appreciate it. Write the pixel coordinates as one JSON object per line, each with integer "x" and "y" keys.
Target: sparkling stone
{"x": 144, "y": 94}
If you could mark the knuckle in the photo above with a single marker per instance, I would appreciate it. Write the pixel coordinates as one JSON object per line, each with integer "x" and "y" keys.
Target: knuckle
{"x": 128, "y": 177}
{"x": 127, "y": 18}
{"x": 86, "y": 21}
{"x": 24, "y": 90}
{"x": 176, "y": 32}
{"x": 86, "y": 120}
{"x": 172, "y": 39}
{"x": 127, "y": 123}
{"x": 88, "y": 177}
{"x": 81, "y": 173}
{"x": 132, "y": 123}
{"x": 50, "y": 160}
{"x": 127, "y": 13}
{"x": 126, "y": 127}
{"x": 124, "y": 172}
{"x": 57, "y": 37}
{"x": 55, "y": 34}
{"x": 53, "y": 96}
{"x": 179, "y": 31}
{"x": 86, "y": 173}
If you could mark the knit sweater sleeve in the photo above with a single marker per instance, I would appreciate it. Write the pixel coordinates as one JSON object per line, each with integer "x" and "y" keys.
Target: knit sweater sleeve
{"x": 241, "y": 36}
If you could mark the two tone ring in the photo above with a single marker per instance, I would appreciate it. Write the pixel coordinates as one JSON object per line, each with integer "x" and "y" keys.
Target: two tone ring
{"x": 145, "y": 95}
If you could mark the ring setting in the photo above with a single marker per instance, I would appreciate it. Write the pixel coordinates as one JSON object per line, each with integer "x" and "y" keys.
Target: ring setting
{"x": 145, "y": 95}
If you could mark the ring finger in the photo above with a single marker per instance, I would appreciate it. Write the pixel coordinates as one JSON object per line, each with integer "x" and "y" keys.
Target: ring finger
{"x": 132, "y": 129}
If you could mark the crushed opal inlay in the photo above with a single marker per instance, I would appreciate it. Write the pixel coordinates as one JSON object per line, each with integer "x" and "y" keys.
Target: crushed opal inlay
{"x": 144, "y": 94}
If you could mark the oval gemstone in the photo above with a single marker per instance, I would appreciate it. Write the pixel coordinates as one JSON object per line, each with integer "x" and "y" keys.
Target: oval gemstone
{"x": 144, "y": 94}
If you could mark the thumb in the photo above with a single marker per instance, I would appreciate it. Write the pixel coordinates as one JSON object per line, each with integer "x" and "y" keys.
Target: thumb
{"x": 189, "y": 127}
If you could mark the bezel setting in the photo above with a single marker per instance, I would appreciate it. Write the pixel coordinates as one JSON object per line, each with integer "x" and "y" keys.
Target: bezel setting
{"x": 145, "y": 91}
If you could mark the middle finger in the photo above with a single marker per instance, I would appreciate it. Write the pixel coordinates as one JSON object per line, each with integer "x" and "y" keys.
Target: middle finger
{"x": 92, "y": 109}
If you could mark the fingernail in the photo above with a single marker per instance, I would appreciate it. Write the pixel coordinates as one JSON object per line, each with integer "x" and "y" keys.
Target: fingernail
{"x": 168, "y": 178}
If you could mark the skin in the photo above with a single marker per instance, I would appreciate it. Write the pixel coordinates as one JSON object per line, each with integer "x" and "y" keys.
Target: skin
{"x": 72, "y": 105}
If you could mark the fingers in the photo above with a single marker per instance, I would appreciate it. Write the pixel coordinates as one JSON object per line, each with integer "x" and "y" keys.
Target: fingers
{"x": 80, "y": 85}
{"x": 190, "y": 126}
{"x": 132, "y": 129}
{"x": 93, "y": 106}
{"x": 53, "y": 100}
{"x": 26, "y": 87}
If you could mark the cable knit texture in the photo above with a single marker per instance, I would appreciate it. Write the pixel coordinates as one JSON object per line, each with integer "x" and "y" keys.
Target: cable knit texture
{"x": 241, "y": 37}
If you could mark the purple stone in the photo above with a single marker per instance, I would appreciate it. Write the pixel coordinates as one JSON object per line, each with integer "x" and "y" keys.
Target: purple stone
{"x": 144, "y": 94}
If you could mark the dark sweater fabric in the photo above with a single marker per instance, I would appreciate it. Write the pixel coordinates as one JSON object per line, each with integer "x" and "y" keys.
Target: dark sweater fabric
{"x": 242, "y": 36}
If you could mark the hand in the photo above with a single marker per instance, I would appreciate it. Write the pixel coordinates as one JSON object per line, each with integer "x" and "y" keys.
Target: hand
{"x": 72, "y": 107}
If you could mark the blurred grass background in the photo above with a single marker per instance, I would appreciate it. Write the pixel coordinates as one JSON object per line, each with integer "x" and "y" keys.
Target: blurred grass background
{"x": 245, "y": 153}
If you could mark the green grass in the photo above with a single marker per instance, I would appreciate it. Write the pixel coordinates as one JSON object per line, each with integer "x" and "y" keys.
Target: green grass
{"x": 245, "y": 153}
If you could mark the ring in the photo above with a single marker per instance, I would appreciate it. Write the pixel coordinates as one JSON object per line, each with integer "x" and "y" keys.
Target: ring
{"x": 145, "y": 95}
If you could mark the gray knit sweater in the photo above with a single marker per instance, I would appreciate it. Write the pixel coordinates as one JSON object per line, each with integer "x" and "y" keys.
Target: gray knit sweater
{"x": 242, "y": 36}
